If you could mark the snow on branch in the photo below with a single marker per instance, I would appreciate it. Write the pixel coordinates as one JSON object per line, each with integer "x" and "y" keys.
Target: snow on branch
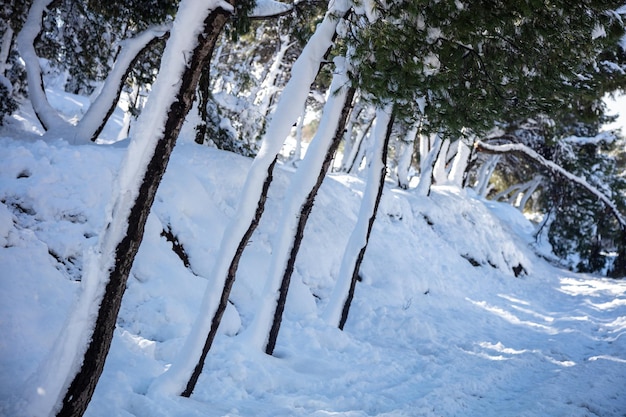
{"x": 269, "y": 8}
{"x": 518, "y": 147}
{"x": 608, "y": 137}
{"x": 98, "y": 113}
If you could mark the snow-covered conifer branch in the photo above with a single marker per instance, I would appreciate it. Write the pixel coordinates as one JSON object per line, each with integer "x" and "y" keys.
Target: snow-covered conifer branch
{"x": 265, "y": 9}
{"x": 518, "y": 147}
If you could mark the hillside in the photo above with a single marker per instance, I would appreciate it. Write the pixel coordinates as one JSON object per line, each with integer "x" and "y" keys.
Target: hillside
{"x": 440, "y": 324}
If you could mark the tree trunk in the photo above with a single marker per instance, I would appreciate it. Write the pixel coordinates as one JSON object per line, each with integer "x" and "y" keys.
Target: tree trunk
{"x": 228, "y": 284}
{"x": 460, "y": 164}
{"x": 484, "y": 175}
{"x": 92, "y": 123}
{"x": 440, "y": 176}
{"x": 204, "y": 94}
{"x": 619, "y": 267}
{"x": 305, "y": 211}
{"x": 426, "y": 174}
{"x": 5, "y": 48}
{"x": 404, "y": 162}
{"x": 84, "y": 383}
{"x": 341, "y": 298}
{"x": 358, "y": 148}
{"x": 349, "y": 142}
{"x": 47, "y": 116}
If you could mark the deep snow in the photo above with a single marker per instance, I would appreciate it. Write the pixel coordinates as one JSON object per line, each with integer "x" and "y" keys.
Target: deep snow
{"x": 428, "y": 333}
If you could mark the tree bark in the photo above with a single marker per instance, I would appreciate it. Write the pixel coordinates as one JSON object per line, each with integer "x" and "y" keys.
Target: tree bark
{"x": 84, "y": 383}
{"x": 357, "y": 148}
{"x": 404, "y": 162}
{"x": 338, "y": 306}
{"x": 428, "y": 163}
{"x": 228, "y": 284}
{"x": 204, "y": 92}
{"x": 305, "y": 211}
{"x": 370, "y": 223}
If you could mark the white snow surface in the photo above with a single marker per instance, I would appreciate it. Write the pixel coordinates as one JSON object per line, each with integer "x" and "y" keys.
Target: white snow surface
{"x": 428, "y": 333}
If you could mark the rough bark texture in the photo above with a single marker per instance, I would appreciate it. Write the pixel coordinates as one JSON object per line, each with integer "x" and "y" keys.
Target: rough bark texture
{"x": 204, "y": 92}
{"x": 619, "y": 267}
{"x": 359, "y": 260}
{"x": 82, "y": 387}
{"x": 228, "y": 284}
{"x": 352, "y": 167}
{"x": 305, "y": 211}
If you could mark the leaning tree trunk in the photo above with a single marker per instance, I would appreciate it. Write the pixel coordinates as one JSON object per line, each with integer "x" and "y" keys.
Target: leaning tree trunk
{"x": 45, "y": 113}
{"x": 341, "y": 298}
{"x": 428, "y": 163}
{"x": 297, "y": 208}
{"x": 99, "y": 112}
{"x": 181, "y": 377}
{"x": 406, "y": 155}
{"x": 459, "y": 164}
{"x": 358, "y": 148}
{"x": 204, "y": 95}
{"x": 161, "y": 124}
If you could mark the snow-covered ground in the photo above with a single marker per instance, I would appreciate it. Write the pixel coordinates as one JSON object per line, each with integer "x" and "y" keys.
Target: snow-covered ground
{"x": 429, "y": 333}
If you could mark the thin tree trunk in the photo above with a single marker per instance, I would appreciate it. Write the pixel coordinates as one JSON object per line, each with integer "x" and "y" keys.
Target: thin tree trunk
{"x": 204, "y": 93}
{"x": 459, "y": 164}
{"x": 84, "y": 382}
{"x": 305, "y": 211}
{"x": 358, "y": 150}
{"x": 265, "y": 97}
{"x": 404, "y": 162}
{"x": 92, "y": 123}
{"x": 348, "y": 142}
{"x": 297, "y": 152}
{"x": 619, "y": 267}
{"x": 228, "y": 284}
{"x": 424, "y": 148}
{"x": 47, "y": 116}
{"x": 484, "y": 175}
{"x": 133, "y": 100}
{"x": 341, "y": 298}
{"x": 471, "y": 159}
{"x": 440, "y": 176}
{"x": 426, "y": 175}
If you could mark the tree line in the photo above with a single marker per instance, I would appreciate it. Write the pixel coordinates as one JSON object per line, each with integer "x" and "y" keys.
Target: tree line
{"x": 501, "y": 97}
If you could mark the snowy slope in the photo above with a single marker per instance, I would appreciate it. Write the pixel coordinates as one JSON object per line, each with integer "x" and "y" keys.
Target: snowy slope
{"x": 429, "y": 333}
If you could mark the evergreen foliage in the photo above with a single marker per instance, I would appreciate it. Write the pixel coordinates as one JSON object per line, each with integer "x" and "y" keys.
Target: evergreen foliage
{"x": 7, "y": 103}
{"x": 582, "y": 231}
{"x": 480, "y": 62}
